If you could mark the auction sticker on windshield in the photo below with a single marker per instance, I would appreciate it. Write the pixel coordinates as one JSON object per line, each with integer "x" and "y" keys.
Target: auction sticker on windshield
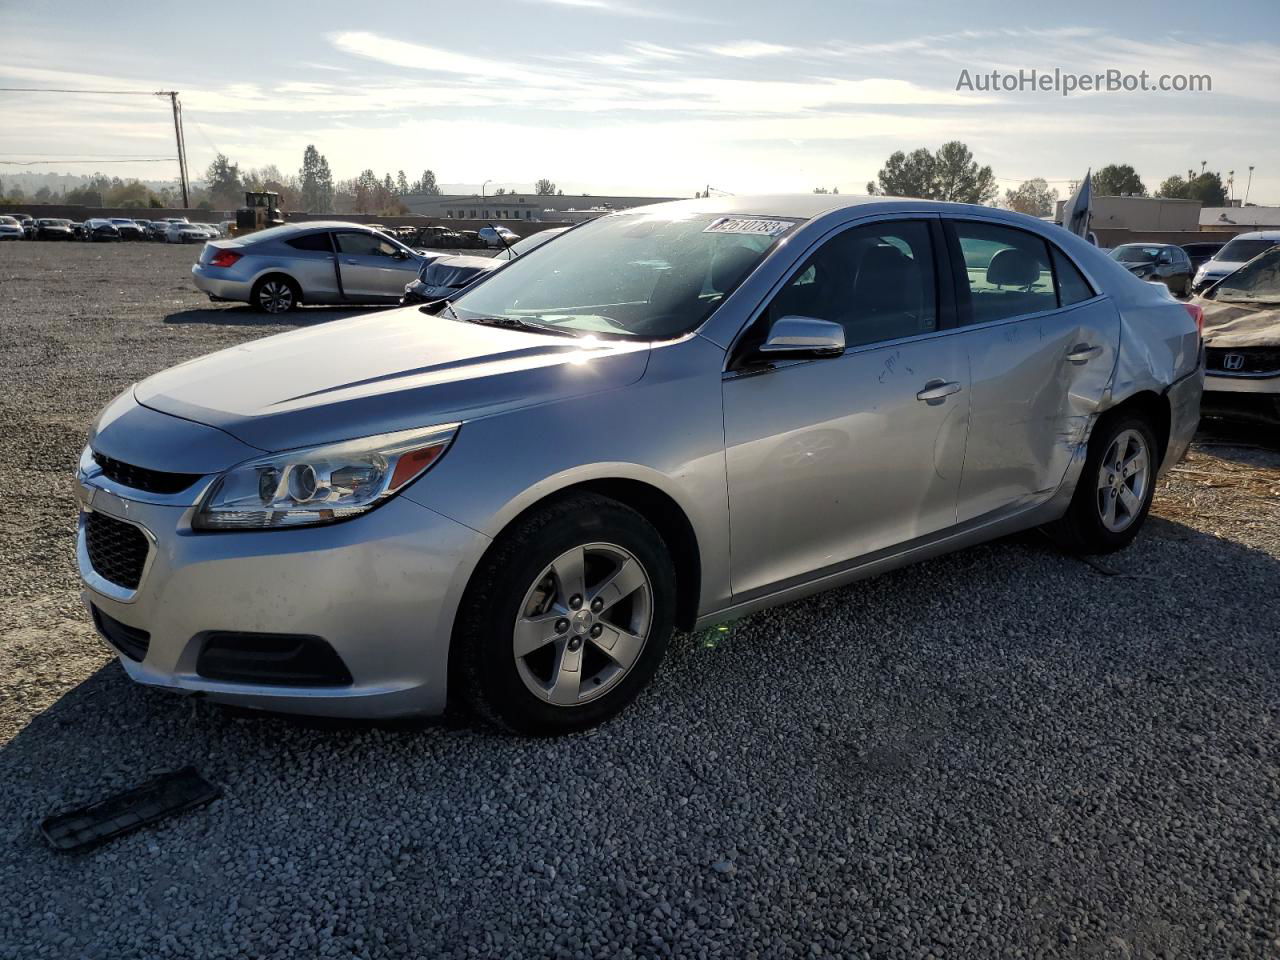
{"x": 750, "y": 225}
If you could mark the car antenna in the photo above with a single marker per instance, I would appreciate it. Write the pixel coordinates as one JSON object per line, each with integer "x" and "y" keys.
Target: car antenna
{"x": 506, "y": 245}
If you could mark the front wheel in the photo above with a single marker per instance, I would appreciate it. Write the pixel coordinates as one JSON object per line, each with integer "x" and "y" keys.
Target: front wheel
{"x": 567, "y": 618}
{"x": 1115, "y": 489}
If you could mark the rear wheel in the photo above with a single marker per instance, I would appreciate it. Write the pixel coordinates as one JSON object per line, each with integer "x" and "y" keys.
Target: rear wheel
{"x": 1114, "y": 492}
{"x": 276, "y": 294}
{"x": 567, "y": 619}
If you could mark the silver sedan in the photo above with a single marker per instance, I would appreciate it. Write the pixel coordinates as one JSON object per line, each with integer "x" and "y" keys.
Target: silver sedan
{"x": 279, "y": 268}
{"x": 671, "y": 416}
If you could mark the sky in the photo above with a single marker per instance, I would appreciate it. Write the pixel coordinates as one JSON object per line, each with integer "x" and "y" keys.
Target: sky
{"x": 656, "y": 98}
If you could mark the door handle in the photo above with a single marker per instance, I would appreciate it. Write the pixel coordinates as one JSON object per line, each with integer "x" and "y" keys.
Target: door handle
{"x": 937, "y": 391}
{"x": 1083, "y": 353}
{"x": 353, "y": 262}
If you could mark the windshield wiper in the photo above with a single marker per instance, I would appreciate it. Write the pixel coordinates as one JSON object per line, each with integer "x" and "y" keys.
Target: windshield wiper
{"x": 518, "y": 323}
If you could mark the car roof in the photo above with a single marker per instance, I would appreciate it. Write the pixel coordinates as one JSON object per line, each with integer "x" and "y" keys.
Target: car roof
{"x": 1258, "y": 235}
{"x": 810, "y": 206}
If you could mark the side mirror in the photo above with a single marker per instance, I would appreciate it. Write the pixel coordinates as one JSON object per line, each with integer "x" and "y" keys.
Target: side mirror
{"x": 804, "y": 336}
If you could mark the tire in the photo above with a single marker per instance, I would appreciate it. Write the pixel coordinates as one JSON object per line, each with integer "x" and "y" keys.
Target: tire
{"x": 1086, "y": 528}
{"x": 276, "y": 294}
{"x": 518, "y": 596}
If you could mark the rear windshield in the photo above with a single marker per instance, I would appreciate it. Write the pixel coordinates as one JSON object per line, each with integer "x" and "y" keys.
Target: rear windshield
{"x": 1136, "y": 253}
{"x": 1238, "y": 251}
{"x": 651, "y": 275}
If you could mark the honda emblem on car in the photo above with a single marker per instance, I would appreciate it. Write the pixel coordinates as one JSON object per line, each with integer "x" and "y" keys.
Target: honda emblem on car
{"x": 1233, "y": 361}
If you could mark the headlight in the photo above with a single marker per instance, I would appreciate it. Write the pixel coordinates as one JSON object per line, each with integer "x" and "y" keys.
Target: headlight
{"x": 320, "y": 484}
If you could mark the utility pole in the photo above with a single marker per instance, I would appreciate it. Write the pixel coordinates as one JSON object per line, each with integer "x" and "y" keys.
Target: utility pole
{"x": 181, "y": 142}
{"x": 1247, "y": 186}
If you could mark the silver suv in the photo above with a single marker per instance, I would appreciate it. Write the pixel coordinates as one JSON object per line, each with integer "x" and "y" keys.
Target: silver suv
{"x": 669, "y": 417}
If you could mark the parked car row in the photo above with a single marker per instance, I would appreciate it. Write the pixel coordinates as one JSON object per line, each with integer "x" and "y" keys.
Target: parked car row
{"x": 21, "y": 226}
{"x": 443, "y": 238}
{"x": 1193, "y": 267}
{"x": 328, "y": 262}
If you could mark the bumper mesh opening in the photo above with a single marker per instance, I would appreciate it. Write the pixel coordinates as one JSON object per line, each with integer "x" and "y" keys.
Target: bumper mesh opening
{"x": 133, "y": 642}
{"x": 117, "y": 550}
{"x": 278, "y": 659}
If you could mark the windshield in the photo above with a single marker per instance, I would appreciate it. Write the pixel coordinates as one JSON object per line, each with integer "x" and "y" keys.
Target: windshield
{"x": 1240, "y": 251}
{"x": 1258, "y": 281}
{"x": 652, "y": 275}
{"x": 1136, "y": 253}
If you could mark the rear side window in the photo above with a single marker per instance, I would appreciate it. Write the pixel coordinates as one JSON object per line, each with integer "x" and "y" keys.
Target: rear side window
{"x": 1072, "y": 286}
{"x": 311, "y": 241}
{"x": 1008, "y": 271}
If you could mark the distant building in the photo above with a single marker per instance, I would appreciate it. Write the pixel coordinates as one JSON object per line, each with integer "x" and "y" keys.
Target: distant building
{"x": 521, "y": 206}
{"x": 1239, "y": 219}
{"x": 1141, "y": 214}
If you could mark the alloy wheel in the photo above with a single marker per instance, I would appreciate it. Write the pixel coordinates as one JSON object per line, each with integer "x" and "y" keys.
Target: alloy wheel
{"x": 1123, "y": 479}
{"x": 583, "y": 624}
{"x": 276, "y": 297}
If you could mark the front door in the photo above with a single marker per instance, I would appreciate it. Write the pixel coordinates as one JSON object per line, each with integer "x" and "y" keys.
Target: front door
{"x": 1042, "y": 347}
{"x": 832, "y": 459}
{"x": 374, "y": 268}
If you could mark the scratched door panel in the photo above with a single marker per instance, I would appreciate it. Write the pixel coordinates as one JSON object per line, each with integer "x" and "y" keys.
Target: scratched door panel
{"x": 832, "y": 459}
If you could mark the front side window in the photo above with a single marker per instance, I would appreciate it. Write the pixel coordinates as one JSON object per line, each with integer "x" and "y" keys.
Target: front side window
{"x": 876, "y": 281}
{"x": 652, "y": 275}
{"x": 366, "y": 245}
{"x": 1007, "y": 271}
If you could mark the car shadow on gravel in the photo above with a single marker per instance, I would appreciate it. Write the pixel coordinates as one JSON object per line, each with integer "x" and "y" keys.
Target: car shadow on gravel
{"x": 974, "y": 742}
{"x": 242, "y": 316}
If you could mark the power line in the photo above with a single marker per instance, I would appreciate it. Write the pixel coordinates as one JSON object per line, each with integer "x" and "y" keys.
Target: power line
{"x": 178, "y": 135}
{"x": 34, "y": 163}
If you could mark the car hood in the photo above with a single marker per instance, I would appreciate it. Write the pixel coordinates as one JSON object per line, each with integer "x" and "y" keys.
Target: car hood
{"x": 1219, "y": 268}
{"x": 1240, "y": 324}
{"x": 381, "y": 372}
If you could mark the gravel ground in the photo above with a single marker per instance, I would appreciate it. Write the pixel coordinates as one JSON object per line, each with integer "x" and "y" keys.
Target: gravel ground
{"x": 1004, "y": 752}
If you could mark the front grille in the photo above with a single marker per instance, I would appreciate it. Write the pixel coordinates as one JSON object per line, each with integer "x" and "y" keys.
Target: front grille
{"x": 141, "y": 478}
{"x": 1251, "y": 359}
{"x": 117, "y": 550}
{"x": 133, "y": 642}
{"x": 284, "y": 659}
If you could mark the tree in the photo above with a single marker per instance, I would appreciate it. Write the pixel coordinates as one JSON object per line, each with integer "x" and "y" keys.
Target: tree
{"x": 44, "y": 195}
{"x": 225, "y": 188}
{"x": 544, "y": 188}
{"x": 950, "y": 173}
{"x": 1118, "y": 179}
{"x": 315, "y": 182}
{"x": 1033, "y": 197}
{"x": 960, "y": 179}
{"x": 1205, "y": 187}
{"x": 402, "y": 183}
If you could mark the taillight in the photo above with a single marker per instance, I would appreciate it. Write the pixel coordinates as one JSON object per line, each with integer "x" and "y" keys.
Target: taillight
{"x": 1197, "y": 314}
{"x": 224, "y": 258}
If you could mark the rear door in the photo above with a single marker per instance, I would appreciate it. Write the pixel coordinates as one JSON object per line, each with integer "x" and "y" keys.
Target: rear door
{"x": 1042, "y": 349}
{"x": 373, "y": 268}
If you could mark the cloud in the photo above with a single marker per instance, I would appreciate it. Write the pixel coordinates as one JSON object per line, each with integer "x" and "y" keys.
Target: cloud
{"x": 621, "y": 8}
{"x": 748, "y": 49}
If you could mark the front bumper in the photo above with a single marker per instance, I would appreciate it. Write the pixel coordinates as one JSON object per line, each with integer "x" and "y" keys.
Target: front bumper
{"x": 381, "y": 589}
{"x": 220, "y": 287}
{"x": 1242, "y": 383}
